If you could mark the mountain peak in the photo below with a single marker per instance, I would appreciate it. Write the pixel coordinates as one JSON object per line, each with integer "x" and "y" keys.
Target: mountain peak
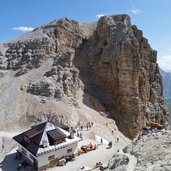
{"x": 107, "y": 64}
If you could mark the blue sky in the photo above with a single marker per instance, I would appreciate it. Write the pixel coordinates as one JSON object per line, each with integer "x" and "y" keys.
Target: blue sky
{"x": 151, "y": 16}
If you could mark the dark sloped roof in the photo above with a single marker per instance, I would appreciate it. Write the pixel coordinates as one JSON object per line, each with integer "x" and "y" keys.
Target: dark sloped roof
{"x": 56, "y": 134}
{"x": 66, "y": 128}
{"x": 35, "y": 135}
{"x": 32, "y": 133}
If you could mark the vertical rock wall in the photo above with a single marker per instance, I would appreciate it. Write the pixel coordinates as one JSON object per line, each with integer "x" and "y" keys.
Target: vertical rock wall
{"x": 111, "y": 58}
{"x": 119, "y": 68}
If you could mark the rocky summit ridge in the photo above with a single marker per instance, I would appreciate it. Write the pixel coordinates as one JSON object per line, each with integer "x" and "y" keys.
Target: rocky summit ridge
{"x": 106, "y": 65}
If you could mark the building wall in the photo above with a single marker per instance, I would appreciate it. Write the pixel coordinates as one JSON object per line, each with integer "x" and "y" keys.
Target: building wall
{"x": 27, "y": 154}
{"x": 43, "y": 160}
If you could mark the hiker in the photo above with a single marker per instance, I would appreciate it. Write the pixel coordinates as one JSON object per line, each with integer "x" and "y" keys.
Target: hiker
{"x": 101, "y": 141}
{"x": 91, "y": 123}
{"x": 87, "y": 127}
{"x": 110, "y": 144}
{"x": 112, "y": 132}
{"x": 81, "y": 127}
{"x": 81, "y": 135}
{"x": 117, "y": 140}
{"x": 78, "y": 135}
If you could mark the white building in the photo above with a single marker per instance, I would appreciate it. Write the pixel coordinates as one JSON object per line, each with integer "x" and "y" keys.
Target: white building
{"x": 44, "y": 145}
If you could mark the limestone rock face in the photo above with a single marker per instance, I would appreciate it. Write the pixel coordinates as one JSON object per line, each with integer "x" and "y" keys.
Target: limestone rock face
{"x": 119, "y": 67}
{"x": 109, "y": 61}
{"x": 56, "y": 83}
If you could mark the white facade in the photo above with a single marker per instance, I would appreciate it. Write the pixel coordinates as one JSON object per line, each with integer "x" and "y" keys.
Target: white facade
{"x": 44, "y": 159}
{"x": 46, "y": 153}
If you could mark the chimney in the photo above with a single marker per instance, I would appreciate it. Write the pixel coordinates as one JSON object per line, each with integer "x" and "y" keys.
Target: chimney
{"x": 72, "y": 134}
{"x": 44, "y": 143}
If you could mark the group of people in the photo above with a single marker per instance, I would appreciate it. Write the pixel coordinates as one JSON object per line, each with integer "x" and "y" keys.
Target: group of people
{"x": 98, "y": 164}
{"x": 81, "y": 127}
{"x": 88, "y": 126}
{"x": 101, "y": 166}
{"x": 117, "y": 139}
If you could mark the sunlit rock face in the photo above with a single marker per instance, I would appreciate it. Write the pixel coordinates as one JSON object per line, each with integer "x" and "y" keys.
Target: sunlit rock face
{"x": 109, "y": 60}
{"x": 119, "y": 67}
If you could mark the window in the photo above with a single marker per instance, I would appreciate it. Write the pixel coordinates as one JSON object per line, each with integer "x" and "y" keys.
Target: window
{"x": 23, "y": 151}
{"x": 51, "y": 157}
{"x": 69, "y": 150}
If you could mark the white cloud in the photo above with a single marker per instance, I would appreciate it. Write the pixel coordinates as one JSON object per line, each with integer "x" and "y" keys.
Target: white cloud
{"x": 165, "y": 62}
{"x": 23, "y": 28}
{"x": 135, "y": 10}
{"x": 169, "y": 49}
{"x": 99, "y": 15}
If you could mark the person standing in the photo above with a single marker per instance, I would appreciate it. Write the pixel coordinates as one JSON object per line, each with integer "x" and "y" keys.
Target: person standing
{"x": 81, "y": 136}
{"x": 117, "y": 140}
{"x": 101, "y": 140}
{"x": 87, "y": 126}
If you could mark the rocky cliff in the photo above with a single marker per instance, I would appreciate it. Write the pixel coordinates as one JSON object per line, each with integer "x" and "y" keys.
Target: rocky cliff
{"x": 107, "y": 66}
